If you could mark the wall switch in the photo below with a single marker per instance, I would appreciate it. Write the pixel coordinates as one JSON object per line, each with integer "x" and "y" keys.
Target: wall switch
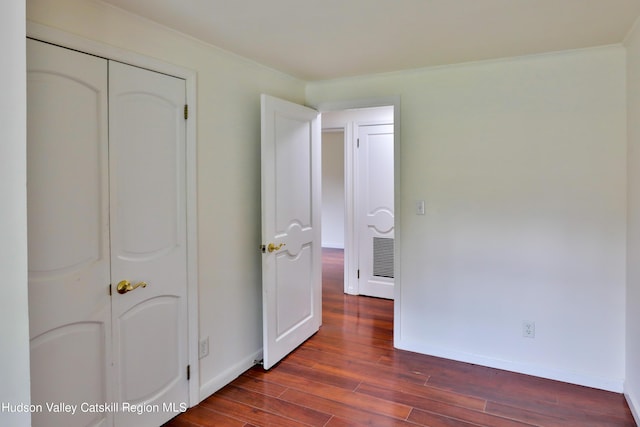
{"x": 204, "y": 348}
{"x": 420, "y": 207}
{"x": 528, "y": 329}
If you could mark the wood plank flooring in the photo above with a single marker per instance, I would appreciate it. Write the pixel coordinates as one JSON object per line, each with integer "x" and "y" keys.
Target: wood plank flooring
{"x": 349, "y": 374}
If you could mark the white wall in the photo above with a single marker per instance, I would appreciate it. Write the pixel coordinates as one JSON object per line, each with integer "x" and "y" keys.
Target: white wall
{"x": 521, "y": 163}
{"x": 333, "y": 189}
{"x": 14, "y": 320}
{"x": 228, "y": 147}
{"x": 632, "y": 385}
{"x": 522, "y": 166}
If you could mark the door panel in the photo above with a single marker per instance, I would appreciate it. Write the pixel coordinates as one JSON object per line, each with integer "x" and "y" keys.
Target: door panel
{"x": 68, "y": 365}
{"x": 293, "y": 303}
{"x": 376, "y": 202}
{"x": 146, "y": 150}
{"x": 291, "y": 274}
{"x": 69, "y": 304}
{"x": 153, "y": 320}
{"x": 148, "y": 240}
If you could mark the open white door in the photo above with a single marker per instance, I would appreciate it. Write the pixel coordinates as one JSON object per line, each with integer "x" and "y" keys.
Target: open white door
{"x": 291, "y": 197}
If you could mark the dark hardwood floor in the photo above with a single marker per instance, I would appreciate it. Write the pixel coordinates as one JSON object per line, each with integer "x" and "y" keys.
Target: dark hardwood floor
{"x": 349, "y": 374}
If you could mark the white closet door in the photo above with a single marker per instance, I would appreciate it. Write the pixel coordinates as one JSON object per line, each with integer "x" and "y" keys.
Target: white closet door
{"x": 106, "y": 194}
{"x": 68, "y": 214}
{"x": 148, "y": 242}
{"x": 376, "y": 210}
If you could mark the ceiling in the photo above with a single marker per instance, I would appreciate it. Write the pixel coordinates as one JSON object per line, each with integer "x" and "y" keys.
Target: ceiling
{"x": 325, "y": 39}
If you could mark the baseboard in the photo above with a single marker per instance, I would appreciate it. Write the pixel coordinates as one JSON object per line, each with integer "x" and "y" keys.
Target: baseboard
{"x": 228, "y": 375}
{"x": 634, "y": 405}
{"x": 613, "y": 385}
{"x": 333, "y": 245}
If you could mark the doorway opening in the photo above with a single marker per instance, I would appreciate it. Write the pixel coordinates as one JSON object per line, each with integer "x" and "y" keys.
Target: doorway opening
{"x": 358, "y": 190}
{"x": 291, "y": 136}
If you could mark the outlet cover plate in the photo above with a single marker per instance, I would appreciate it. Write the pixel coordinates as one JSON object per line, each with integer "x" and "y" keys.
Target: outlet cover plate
{"x": 528, "y": 329}
{"x": 204, "y": 348}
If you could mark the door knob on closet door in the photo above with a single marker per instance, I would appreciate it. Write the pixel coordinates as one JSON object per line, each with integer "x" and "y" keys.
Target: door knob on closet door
{"x": 125, "y": 286}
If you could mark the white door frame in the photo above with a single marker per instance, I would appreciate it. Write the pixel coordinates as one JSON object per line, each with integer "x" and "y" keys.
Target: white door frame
{"x": 350, "y": 253}
{"x": 61, "y": 38}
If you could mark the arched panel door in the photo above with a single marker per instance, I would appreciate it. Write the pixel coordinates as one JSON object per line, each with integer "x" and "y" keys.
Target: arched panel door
{"x": 148, "y": 243}
{"x": 68, "y": 218}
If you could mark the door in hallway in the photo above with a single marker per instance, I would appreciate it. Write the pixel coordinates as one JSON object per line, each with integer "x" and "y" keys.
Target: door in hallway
{"x": 375, "y": 210}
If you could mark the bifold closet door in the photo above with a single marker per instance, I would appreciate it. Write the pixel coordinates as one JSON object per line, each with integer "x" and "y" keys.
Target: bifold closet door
{"x": 148, "y": 241}
{"x": 68, "y": 220}
{"x": 107, "y": 241}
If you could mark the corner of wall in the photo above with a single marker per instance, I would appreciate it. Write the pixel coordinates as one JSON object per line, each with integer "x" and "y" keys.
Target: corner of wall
{"x": 634, "y": 405}
{"x": 632, "y": 344}
{"x": 632, "y": 29}
{"x": 227, "y": 376}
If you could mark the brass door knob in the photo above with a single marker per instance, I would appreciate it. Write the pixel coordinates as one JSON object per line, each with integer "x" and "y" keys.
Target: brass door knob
{"x": 273, "y": 248}
{"x": 125, "y": 286}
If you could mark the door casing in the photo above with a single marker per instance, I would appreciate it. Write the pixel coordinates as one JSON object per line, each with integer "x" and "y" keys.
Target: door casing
{"x": 61, "y": 38}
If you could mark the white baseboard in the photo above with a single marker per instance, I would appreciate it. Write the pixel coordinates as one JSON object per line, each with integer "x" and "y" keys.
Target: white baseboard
{"x": 634, "y": 405}
{"x": 614, "y": 385}
{"x": 333, "y": 245}
{"x": 221, "y": 380}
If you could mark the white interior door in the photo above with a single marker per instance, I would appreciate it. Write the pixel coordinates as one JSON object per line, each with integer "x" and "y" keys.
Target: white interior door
{"x": 291, "y": 260}
{"x": 106, "y": 203}
{"x": 148, "y": 242}
{"x": 68, "y": 214}
{"x": 375, "y": 195}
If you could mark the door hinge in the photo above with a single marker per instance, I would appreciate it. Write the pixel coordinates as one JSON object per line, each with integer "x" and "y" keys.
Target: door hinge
{"x": 110, "y": 289}
{"x": 186, "y": 111}
{"x": 358, "y": 273}
{"x": 188, "y": 372}
{"x": 358, "y": 146}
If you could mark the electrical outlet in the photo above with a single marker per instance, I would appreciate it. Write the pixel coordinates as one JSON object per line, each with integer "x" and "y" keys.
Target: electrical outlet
{"x": 528, "y": 329}
{"x": 204, "y": 348}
